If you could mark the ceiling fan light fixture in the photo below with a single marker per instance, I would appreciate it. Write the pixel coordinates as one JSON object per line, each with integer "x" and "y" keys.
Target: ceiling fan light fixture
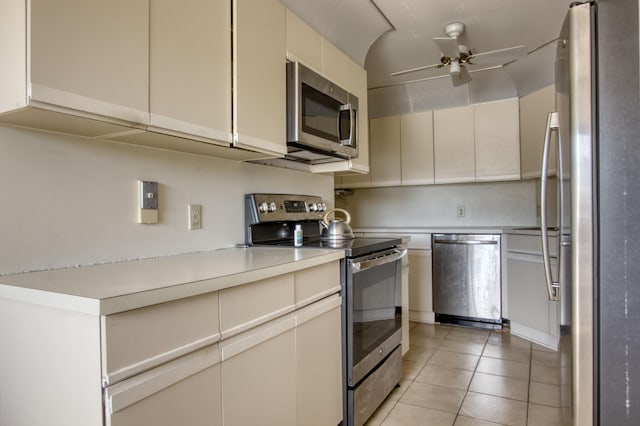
{"x": 454, "y": 68}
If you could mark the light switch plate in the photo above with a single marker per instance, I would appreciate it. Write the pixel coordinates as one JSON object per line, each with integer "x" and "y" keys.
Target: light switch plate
{"x": 147, "y": 202}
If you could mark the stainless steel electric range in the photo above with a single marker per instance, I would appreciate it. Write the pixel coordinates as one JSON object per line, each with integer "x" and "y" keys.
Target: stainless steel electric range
{"x": 371, "y": 294}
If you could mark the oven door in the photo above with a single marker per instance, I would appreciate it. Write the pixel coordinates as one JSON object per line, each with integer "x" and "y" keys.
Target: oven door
{"x": 373, "y": 310}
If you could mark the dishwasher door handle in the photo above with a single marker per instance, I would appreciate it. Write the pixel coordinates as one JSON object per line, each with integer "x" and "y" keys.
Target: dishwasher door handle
{"x": 464, "y": 242}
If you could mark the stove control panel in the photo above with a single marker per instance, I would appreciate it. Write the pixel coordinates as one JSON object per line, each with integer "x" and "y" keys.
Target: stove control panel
{"x": 261, "y": 208}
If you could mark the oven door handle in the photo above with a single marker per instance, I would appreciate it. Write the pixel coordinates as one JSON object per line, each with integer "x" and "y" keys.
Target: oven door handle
{"x": 372, "y": 262}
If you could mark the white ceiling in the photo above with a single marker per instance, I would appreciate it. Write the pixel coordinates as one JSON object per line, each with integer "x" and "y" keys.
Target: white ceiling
{"x": 393, "y": 35}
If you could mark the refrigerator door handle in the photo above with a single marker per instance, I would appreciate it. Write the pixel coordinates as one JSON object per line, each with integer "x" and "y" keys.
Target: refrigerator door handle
{"x": 552, "y": 287}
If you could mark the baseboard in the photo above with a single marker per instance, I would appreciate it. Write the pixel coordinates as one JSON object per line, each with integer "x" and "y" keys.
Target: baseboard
{"x": 422, "y": 316}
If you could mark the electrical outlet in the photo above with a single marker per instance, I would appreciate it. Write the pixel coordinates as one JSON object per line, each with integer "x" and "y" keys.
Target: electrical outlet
{"x": 195, "y": 216}
{"x": 461, "y": 211}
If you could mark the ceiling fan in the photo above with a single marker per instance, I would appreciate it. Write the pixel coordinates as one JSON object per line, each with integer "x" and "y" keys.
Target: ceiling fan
{"x": 457, "y": 56}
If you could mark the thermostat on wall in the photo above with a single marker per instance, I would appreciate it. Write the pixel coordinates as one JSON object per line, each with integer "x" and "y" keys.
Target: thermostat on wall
{"x": 147, "y": 202}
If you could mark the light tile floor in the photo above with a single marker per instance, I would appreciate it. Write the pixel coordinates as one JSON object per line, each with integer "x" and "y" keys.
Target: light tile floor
{"x": 457, "y": 376}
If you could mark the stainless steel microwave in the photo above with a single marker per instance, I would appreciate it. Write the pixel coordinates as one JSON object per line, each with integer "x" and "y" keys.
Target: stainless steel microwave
{"x": 322, "y": 118}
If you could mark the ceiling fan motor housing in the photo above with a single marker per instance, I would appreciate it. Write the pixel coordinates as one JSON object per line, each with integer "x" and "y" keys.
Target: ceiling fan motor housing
{"x": 454, "y": 29}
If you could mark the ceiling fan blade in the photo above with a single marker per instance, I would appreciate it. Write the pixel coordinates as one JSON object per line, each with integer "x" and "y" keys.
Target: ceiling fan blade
{"x": 463, "y": 77}
{"x": 448, "y": 46}
{"x": 426, "y": 67}
{"x": 500, "y": 56}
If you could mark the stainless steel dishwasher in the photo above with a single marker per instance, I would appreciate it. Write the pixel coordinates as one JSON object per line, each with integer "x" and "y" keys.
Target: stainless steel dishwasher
{"x": 466, "y": 279}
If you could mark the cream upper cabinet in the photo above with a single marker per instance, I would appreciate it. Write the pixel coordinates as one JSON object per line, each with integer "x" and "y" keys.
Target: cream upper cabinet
{"x": 453, "y": 138}
{"x": 307, "y": 46}
{"x": 259, "y": 77}
{"x": 358, "y": 86}
{"x": 497, "y": 144}
{"x": 335, "y": 64}
{"x": 385, "y": 151}
{"x": 190, "y": 69}
{"x": 416, "y": 148}
{"x": 65, "y": 57}
{"x": 534, "y": 109}
{"x": 304, "y": 44}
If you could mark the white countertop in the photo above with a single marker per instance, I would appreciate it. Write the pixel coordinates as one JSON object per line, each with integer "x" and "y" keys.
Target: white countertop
{"x": 116, "y": 287}
{"x": 435, "y": 230}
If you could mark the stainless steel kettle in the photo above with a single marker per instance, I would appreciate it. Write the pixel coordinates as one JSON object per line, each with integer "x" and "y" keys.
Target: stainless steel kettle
{"x": 337, "y": 229}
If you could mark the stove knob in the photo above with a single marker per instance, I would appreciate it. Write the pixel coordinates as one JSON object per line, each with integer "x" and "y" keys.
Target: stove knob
{"x": 263, "y": 207}
{"x": 323, "y": 207}
{"x": 272, "y": 207}
{"x": 313, "y": 207}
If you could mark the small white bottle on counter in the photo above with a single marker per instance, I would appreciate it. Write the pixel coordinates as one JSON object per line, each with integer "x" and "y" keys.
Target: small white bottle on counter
{"x": 297, "y": 236}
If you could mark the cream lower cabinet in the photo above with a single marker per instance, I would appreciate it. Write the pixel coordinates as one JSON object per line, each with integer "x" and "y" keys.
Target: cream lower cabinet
{"x": 184, "y": 391}
{"x": 319, "y": 364}
{"x": 420, "y": 286}
{"x": 532, "y": 315}
{"x": 259, "y": 381}
{"x": 266, "y": 352}
{"x": 406, "y": 338}
{"x": 286, "y": 372}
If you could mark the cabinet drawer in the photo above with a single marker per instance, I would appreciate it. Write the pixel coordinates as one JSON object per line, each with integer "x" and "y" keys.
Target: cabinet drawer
{"x": 183, "y": 391}
{"x": 315, "y": 283}
{"x": 247, "y": 306}
{"x": 137, "y": 340}
{"x": 530, "y": 244}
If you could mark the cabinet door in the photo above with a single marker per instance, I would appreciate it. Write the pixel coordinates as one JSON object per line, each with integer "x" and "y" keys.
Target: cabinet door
{"x": 416, "y": 147}
{"x": 185, "y": 391}
{"x": 259, "y": 384}
{"x": 190, "y": 68}
{"x": 319, "y": 364}
{"x": 335, "y": 64}
{"x": 259, "y": 77}
{"x": 358, "y": 86}
{"x": 385, "y": 151}
{"x": 304, "y": 44}
{"x": 420, "y": 291}
{"x": 534, "y": 108}
{"x": 454, "y": 158}
{"x": 497, "y": 143}
{"x": 405, "y": 307}
{"x": 532, "y": 315}
{"x": 91, "y": 56}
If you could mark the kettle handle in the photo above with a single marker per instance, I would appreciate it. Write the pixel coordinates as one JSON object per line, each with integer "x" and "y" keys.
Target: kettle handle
{"x": 347, "y": 216}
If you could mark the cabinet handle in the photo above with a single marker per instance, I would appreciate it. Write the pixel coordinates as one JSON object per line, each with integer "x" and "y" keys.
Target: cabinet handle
{"x": 464, "y": 242}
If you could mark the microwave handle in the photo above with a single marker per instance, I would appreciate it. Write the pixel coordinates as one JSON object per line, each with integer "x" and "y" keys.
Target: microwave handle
{"x": 349, "y": 140}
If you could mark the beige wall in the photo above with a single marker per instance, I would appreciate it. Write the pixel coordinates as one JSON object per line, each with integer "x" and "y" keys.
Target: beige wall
{"x": 67, "y": 201}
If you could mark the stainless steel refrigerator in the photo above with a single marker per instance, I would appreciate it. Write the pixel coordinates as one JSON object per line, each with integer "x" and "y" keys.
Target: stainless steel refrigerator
{"x": 596, "y": 123}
